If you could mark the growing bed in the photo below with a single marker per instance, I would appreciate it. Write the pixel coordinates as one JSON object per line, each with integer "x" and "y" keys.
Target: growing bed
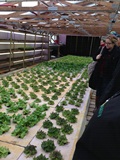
{"x": 56, "y": 92}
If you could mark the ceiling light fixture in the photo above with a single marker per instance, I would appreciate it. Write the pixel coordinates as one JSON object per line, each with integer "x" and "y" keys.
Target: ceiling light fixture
{"x": 71, "y": 22}
{"x": 52, "y": 8}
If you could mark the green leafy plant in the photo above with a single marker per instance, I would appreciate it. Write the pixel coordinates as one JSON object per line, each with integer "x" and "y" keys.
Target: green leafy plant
{"x": 4, "y": 128}
{"x": 56, "y": 155}
{"x": 77, "y": 104}
{"x": 15, "y": 85}
{"x": 40, "y": 157}
{"x": 72, "y": 119}
{"x": 75, "y": 111}
{"x": 47, "y": 124}
{"x": 4, "y": 123}
{"x": 66, "y": 113}
{"x": 67, "y": 129}
{"x": 4, "y": 152}
{"x": 59, "y": 108}
{"x": 37, "y": 100}
{"x": 46, "y": 98}
{"x": 63, "y": 103}
{"x": 54, "y": 97}
{"x": 53, "y": 132}
{"x": 30, "y": 150}
{"x": 9, "y": 78}
{"x": 41, "y": 134}
{"x": 53, "y": 115}
{"x": 35, "y": 88}
{"x": 20, "y": 131}
{"x": 33, "y": 95}
{"x": 19, "y": 75}
{"x": 18, "y": 80}
{"x": 70, "y": 116}
{"x": 24, "y": 86}
{"x": 60, "y": 121}
{"x": 71, "y": 101}
{"x": 17, "y": 118}
{"x": 48, "y": 146}
{"x": 62, "y": 140}
{"x": 34, "y": 105}
{"x": 5, "y": 83}
{"x": 58, "y": 93}
{"x": 26, "y": 111}
{"x": 12, "y": 107}
{"x": 51, "y": 102}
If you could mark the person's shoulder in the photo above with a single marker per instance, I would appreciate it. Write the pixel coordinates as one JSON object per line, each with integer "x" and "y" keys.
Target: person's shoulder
{"x": 117, "y": 48}
{"x": 118, "y": 51}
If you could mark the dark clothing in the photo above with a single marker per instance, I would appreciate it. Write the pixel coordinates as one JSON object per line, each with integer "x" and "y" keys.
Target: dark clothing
{"x": 113, "y": 86}
{"x": 104, "y": 70}
{"x": 101, "y": 138}
{"x": 103, "y": 82}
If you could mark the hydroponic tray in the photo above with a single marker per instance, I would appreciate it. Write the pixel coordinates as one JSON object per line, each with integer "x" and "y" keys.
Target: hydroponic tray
{"x": 68, "y": 84}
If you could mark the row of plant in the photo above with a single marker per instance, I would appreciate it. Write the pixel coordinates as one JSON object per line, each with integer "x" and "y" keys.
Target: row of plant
{"x": 19, "y": 88}
{"x": 48, "y": 146}
{"x": 52, "y": 86}
{"x": 58, "y": 134}
{"x": 23, "y": 121}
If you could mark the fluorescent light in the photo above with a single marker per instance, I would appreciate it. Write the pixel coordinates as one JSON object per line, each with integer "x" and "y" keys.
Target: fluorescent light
{"x": 52, "y": 8}
{"x": 61, "y": 4}
{"x": 77, "y": 14}
{"x": 35, "y": 25}
{"x": 42, "y": 23}
{"x": 2, "y": 3}
{"x": 75, "y": 2}
{"x": 5, "y": 13}
{"x": 27, "y": 13}
{"x": 93, "y": 14}
{"x": 55, "y": 19}
{"x": 14, "y": 18}
{"x": 4, "y": 31}
{"x": 77, "y": 25}
{"x": 29, "y": 4}
{"x": 71, "y": 22}
{"x": 64, "y": 16}
{"x": 91, "y": 5}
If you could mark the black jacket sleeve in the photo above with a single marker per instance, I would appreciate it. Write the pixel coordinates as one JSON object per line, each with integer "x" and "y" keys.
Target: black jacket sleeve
{"x": 113, "y": 86}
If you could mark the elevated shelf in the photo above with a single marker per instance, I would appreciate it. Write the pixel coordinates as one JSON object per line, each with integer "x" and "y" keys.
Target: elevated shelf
{"x": 22, "y": 48}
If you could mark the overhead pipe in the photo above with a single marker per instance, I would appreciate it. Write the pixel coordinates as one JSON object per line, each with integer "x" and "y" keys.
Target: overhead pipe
{"x": 34, "y": 13}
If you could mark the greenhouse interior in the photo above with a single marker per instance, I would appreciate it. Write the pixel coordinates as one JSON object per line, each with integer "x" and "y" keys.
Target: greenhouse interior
{"x": 45, "y": 49}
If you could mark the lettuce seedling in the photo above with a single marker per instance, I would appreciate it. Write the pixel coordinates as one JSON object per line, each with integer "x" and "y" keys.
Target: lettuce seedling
{"x": 48, "y": 146}
{"x": 4, "y": 152}
{"x": 30, "y": 150}
{"x": 56, "y": 155}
